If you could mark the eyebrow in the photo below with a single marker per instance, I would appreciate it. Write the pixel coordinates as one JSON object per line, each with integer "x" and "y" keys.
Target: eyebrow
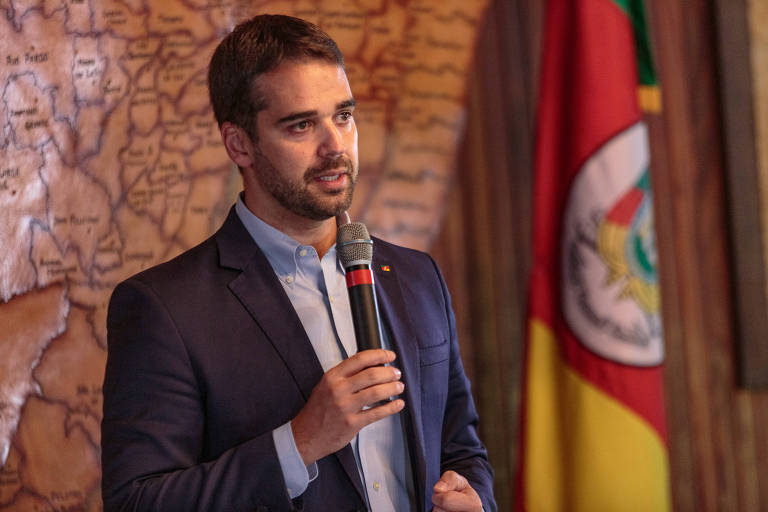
{"x": 311, "y": 113}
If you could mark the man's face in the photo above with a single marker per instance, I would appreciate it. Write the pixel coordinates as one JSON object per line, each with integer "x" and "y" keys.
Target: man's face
{"x": 305, "y": 154}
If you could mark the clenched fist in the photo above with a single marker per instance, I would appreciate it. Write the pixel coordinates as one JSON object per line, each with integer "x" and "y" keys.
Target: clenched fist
{"x": 452, "y": 493}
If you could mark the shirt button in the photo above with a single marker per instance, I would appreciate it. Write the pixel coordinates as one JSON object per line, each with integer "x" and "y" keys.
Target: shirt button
{"x": 330, "y": 298}
{"x": 289, "y": 279}
{"x": 303, "y": 252}
{"x": 376, "y": 486}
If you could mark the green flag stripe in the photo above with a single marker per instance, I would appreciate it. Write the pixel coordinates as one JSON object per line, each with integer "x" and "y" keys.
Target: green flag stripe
{"x": 644, "y": 183}
{"x": 636, "y": 13}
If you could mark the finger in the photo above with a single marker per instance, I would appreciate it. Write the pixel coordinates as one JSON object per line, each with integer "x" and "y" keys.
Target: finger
{"x": 453, "y": 493}
{"x": 451, "y": 481}
{"x": 364, "y": 359}
{"x": 374, "y": 394}
{"x": 452, "y": 501}
{"x": 373, "y": 376}
{"x": 374, "y": 414}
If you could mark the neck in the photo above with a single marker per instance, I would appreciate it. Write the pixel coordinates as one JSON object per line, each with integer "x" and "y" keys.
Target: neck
{"x": 320, "y": 234}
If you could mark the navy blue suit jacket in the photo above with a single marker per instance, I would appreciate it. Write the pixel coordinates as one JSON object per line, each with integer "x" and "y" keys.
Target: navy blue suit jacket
{"x": 207, "y": 356}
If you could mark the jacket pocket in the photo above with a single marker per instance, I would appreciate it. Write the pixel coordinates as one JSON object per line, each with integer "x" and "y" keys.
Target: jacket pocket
{"x": 433, "y": 354}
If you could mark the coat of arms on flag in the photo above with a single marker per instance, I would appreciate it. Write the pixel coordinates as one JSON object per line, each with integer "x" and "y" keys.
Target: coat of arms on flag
{"x": 610, "y": 289}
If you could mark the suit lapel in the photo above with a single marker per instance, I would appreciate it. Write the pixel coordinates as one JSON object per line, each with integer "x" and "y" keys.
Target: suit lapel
{"x": 393, "y": 310}
{"x": 259, "y": 291}
{"x": 264, "y": 298}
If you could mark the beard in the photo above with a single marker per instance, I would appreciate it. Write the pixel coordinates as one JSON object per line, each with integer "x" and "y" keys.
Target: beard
{"x": 296, "y": 196}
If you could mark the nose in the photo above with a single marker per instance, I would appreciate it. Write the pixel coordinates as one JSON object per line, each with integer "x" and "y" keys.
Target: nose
{"x": 332, "y": 143}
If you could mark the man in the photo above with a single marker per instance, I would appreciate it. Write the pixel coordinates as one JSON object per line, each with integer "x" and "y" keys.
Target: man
{"x": 233, "y": 381}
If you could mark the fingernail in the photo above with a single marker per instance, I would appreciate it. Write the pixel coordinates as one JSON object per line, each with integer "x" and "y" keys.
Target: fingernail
{"x": 400, "y": 386}
{"x": 398, "y": 373}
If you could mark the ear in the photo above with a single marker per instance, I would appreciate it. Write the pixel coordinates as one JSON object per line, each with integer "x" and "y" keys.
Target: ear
{"x": 238, "y": 145}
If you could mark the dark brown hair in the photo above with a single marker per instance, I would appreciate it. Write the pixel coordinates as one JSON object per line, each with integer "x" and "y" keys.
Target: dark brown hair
{"x": 255, "y": 47}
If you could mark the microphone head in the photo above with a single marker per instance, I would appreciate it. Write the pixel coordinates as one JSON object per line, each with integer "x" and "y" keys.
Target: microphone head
{"x": 354, "y": 245}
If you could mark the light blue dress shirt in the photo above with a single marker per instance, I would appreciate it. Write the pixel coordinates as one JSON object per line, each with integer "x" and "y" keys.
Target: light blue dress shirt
{"x": 317, "y": 289}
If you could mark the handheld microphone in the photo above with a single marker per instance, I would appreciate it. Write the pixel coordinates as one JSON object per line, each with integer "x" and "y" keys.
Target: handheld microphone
{"x": 354, "y": 248}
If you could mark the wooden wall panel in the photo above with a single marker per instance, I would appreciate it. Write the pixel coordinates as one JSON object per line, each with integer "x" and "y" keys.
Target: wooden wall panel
{"x": 718, "y": 433}
{"x": 712, "y": 425}
{"x": 743, "y": 186}
{"x": 488, "y": 222}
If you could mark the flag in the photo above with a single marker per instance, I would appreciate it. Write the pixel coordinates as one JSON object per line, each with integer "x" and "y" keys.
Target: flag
{"x": 593, "y": 432}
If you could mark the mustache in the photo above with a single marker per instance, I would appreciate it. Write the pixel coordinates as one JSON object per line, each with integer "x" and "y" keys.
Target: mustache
{"x": 329, "y": 164}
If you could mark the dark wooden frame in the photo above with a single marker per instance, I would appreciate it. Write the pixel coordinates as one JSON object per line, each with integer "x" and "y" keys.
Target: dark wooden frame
{"x": 743, "y": 193}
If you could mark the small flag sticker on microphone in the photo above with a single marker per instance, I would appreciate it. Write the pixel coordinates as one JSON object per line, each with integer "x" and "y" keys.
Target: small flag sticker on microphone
{"x": 385, "y": 268}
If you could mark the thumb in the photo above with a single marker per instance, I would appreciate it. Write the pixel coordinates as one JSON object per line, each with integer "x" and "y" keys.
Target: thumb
{"x": 450, "y": 481}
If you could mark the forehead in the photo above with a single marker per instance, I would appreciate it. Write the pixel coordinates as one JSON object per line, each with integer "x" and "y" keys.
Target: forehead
{"x": 304, "y": 85}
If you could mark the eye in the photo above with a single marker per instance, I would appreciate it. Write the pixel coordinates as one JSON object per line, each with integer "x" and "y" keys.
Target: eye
{"x": 301, "y": 126}
{"x": 344, "y": 117}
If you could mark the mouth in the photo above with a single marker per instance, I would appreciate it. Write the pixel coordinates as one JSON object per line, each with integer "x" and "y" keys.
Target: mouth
{"x": 332, "y": 183}
{"x": 330, "y": 177}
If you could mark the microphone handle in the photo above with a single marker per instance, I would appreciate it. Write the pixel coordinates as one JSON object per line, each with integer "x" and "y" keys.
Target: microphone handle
{"x": 365, "y": 308}
{"x": 365, "y": 312}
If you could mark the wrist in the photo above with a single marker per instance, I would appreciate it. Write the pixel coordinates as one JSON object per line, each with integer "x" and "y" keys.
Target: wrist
{"x": 303, "y": 441}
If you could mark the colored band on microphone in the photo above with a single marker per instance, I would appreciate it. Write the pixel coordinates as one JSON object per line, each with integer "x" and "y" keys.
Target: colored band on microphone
{"x": 360, "y": 276}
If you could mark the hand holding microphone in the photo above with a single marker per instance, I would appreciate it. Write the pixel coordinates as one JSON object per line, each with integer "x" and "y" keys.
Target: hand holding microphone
{"x": 361, "y": 389}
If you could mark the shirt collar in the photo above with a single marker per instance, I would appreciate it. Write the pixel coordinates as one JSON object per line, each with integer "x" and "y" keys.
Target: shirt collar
{"x": 279, "y": 248}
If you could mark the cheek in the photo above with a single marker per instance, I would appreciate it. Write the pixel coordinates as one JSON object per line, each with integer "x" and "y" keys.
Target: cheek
{"x": 290, "y": 158}
{"x": 351, "y": 143}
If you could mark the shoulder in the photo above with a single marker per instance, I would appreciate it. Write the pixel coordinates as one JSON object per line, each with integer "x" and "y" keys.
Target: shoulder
{"x": 191, "y": 265}
{"x": 201, "y": 263}
{"x": 387, "y": 252}
{"x": 416, "y": 271}
{"x": 192, "y": 273}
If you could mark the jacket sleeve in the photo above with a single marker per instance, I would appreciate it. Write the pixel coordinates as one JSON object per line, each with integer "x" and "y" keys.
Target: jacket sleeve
{"x": 462, "y": 450}
{"x": 153, "y": 429}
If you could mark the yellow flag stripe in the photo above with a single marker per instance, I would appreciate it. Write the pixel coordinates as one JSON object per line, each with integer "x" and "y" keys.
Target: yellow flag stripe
{"x": 649, "y": 98}
{"x": 585, "y": 451}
